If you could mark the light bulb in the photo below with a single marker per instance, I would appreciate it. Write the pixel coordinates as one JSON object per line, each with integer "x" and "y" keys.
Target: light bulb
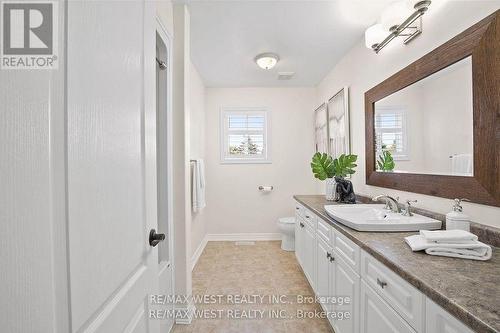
{"x": 374, "y": 35}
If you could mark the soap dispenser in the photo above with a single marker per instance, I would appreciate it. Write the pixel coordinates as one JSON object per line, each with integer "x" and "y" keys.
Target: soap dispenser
{"x": 456, "y": 219}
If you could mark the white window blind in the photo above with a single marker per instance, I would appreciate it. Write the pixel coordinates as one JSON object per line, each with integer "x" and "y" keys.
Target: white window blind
{"x": 244, "y": 136}
{"x": 391, "y": 132}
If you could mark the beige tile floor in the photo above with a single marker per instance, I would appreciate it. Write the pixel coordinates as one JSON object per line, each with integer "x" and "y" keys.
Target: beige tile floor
{"x": 264, "y": 269}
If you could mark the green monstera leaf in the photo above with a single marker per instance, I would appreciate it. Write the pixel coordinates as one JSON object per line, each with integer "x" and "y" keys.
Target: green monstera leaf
{"x": 385, "y": 162}
{"x": 344, "y": 165}
{"x": 322, "y": 166}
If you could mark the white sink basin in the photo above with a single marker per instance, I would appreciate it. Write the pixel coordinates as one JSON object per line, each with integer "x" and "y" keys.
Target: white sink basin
{"x": 375, "y": 218}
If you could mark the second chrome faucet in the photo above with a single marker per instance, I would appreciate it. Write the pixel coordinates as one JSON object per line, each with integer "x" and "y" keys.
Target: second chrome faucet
{"x": 392, "y": 204}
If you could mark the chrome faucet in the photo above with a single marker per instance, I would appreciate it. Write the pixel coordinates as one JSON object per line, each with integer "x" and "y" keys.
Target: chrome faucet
{"x": 390, "y": 202}
{"x": 407, "y": 211}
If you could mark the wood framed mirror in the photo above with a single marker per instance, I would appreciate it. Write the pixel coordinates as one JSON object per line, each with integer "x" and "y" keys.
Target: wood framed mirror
{"x": 438, "y": 120}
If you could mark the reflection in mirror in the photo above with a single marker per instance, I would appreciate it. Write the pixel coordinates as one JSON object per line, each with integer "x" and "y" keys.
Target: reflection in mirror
{"x": 426, "y": 128}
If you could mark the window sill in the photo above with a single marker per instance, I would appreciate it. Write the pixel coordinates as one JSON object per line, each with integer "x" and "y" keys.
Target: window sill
{"x": 246, "y": 161}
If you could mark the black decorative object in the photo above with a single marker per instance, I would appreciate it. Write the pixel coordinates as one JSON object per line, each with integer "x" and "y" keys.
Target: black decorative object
{"x": 345, "y": 191}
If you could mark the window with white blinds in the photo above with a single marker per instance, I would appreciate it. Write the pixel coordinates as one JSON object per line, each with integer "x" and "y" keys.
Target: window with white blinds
{"x": 244, "y": 136}
{"x": 391, "y": 132}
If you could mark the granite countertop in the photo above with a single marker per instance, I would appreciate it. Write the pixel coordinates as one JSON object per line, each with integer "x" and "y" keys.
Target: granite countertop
{"x": 468, "y": 289}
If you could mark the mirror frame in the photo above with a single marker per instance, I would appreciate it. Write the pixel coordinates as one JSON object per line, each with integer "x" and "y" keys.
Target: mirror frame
{"x": 482, "y": 42}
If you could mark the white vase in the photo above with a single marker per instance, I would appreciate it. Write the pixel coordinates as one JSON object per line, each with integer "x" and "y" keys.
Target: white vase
{"x": 331, "y": 189}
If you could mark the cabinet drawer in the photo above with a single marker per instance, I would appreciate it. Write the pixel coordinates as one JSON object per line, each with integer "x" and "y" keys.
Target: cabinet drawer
{"x": 346, "y": 249}
{"x": 323, "y": 230}
{"x": 377, "y": 316}
{"x": 299, "y": 210}
{"x": 309, "y": 218}
{"x": 439, "y": 320}
{"x": 401, "y": 296}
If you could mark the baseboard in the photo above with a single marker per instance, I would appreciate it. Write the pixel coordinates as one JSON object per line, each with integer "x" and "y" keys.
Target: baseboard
{"x": 185, "y": 313}
{"x": 243, "y": 237}
{"x": 199, "y": 251}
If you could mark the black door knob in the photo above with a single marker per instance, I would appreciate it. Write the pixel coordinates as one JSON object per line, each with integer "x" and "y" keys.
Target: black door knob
{"x": 155, "y": 238}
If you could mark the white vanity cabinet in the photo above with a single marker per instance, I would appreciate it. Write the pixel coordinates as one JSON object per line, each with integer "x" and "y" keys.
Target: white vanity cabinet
{"x": 323, "y": 278}
{"x": 380, "y": 300}
{"x": 305, "y": 241}
{"x": 405, "y": 299}
{"x": 334, "y": 277}
{"x": 298, "y": 234}
{"x": 439, "y": 321}
{"x": 345, "y": 284}
{"x": 377, "y": 316}
{"x": 309, "y": 255}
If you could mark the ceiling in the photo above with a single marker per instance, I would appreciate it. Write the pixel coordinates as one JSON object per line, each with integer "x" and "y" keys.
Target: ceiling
{"x": 309, "y": 36}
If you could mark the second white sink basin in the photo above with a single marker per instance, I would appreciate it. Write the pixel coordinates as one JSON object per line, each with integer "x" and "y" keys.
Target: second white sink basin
{"x": 363, "y": 217}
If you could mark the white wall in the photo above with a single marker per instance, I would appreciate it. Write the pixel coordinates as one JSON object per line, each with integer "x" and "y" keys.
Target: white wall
{"x": 165, "y": 11}
{"x": 362, "y": 69}
{"x": 197, "y": 148}
{"x": 234, "y": 204}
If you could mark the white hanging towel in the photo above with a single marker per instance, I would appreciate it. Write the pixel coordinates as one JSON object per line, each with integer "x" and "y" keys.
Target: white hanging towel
{"x": 461, "y": 164}
{"x": 198, "y": 187}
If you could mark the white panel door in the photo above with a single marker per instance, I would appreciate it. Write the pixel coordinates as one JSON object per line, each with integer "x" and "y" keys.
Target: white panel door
{"x": 111, "y": 161}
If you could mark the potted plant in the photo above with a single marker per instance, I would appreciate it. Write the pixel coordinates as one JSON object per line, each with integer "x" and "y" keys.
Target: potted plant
{"x": 324, "y": 167}
{"x": 385, "y": 162}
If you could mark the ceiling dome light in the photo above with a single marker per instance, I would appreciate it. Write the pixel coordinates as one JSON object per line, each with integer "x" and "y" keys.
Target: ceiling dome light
{"x": 267, "y": 60}
{"x": 374, "y": 35}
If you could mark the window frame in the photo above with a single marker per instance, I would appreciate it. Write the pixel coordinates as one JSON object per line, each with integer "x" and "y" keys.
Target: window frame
{"x": 405, "y": 156}
{"x": 225, "y": 112}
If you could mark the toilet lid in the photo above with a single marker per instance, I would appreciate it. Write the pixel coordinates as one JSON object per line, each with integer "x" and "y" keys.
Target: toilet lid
{"x": 287, "y": 220}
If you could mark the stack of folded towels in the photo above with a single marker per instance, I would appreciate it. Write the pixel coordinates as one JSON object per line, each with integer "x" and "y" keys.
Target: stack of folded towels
{"x": 450, "y": 243}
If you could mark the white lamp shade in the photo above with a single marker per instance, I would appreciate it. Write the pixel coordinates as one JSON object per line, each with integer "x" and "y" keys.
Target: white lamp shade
{"x": 396, "y": 13}
{"x": 374, "y": 35}
{"x": 266, "y": 60}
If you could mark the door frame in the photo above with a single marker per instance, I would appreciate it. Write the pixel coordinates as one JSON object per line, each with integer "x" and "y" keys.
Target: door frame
{"x": 167, "y": 40}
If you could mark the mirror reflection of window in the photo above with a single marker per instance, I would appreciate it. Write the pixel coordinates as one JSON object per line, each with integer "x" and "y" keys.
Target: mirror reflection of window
{"x": 391, "y": 132}
{"x": 427, "y": 127}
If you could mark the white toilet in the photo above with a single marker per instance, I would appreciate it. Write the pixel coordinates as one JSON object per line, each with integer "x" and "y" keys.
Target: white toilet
{"x": 287, "y": 227}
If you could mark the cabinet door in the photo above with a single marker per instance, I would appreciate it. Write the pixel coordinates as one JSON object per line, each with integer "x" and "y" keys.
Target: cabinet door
{"x": 377, "y": 316}
{"x": 298, "y": 238}
{"x": 323, "y": 252}
{"x": 439, "y": 320}
{"x": 346, "y": 288}
{"x": 309, "y": 253}
{"x": 405, "y": 299}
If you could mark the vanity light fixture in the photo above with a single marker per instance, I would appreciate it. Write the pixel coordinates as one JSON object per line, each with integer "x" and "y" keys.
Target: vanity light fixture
{"x": 267, "y": 60}
{"x": 398, "y": 20}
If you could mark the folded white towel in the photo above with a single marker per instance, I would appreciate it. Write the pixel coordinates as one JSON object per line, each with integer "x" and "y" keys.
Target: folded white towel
{"x": 448, "y": 236}
{"x": 473, "y": 250}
